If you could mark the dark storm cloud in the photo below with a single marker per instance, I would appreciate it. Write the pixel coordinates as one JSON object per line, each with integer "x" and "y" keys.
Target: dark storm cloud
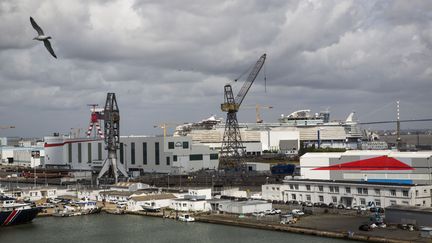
{"x": 169, "y": 60}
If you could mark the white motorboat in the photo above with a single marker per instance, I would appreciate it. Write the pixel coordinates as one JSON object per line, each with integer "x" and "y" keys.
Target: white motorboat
{"x": 186, "y": 218}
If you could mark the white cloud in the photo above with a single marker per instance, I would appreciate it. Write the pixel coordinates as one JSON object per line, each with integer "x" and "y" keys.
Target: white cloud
{"x": 169, "y": 60}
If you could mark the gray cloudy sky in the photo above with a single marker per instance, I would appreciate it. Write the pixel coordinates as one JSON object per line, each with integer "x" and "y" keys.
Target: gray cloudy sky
{"x": 167, "y": 61}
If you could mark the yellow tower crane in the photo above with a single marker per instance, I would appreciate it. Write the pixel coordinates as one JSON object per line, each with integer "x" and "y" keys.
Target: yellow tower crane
{"x": 164, "y": 126}
{"x": 258, "y": 110}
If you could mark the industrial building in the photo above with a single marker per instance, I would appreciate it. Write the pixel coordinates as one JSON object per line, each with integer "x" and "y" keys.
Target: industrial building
{"x": 349, "y": 193}
{"x": 22, "y": 156}
{"x": 372, "y": 166}
{"x": 244, "y": 207}
{"x": 138, "y": 154}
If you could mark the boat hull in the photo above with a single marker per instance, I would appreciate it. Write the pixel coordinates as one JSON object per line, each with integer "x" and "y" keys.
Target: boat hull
{"x": 18, "y": 216}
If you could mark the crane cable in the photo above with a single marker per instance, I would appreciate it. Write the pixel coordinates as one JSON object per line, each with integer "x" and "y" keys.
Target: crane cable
{"x": 265, "y": 79}
{"x": 245, "y": 72}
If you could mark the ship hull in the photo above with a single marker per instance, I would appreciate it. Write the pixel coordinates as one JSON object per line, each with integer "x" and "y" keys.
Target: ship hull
{"x": 18, "y": 216}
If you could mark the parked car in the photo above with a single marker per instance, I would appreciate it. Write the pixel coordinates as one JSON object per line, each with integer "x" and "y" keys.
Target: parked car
{"x": 308, "y": 204}
{"x": 359, "y": 207}
{"x": 269, "y": 212}
{"x": 276, "y": 211}
{"x": 297, "y": 212}
{"x": 365, "y": 227}
{"x": 288, "y": 219}
{"x": 331, "y": 205}
{"x": 323, "y": 205}
{"x": 258, "y": 214}
{"x": 340, "y": 206}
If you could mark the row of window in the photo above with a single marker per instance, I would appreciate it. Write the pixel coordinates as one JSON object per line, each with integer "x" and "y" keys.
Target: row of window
{"x": 192, "y": 157}
{"x": 360, "y": 190}
{"x": 89, "y": 153}
{"x": 335, "y": 199}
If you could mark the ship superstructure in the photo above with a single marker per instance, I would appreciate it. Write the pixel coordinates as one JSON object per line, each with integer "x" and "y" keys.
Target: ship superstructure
{"x": 315, "y": 129}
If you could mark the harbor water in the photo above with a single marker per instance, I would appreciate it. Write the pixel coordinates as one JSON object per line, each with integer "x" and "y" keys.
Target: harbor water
{"x": 131, "y": 228}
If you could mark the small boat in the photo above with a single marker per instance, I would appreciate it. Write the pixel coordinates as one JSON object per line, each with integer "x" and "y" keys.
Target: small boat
{"x": 186, "y": 218}
{"x": 82, "y": 208}
{"x": 13, "y": 213}
{"x": 152, "y": 209}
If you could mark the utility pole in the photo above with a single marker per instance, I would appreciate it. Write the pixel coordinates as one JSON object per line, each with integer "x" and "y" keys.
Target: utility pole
{"x": 398, "y": 138}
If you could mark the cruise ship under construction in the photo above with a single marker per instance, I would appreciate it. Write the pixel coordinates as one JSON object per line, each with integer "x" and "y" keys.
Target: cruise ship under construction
{"x": 309, "y": 128}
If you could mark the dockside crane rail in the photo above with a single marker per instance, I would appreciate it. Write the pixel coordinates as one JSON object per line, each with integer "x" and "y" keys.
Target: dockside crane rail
{"x": 232, "y": 146}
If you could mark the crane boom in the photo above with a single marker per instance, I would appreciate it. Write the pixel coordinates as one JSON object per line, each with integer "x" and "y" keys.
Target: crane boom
{"x": 232, "y": 148}
{"x": 250, "y": 79}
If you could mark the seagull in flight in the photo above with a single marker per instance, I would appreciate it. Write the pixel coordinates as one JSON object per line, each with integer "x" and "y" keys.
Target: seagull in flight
{"x": 42, "y": 37}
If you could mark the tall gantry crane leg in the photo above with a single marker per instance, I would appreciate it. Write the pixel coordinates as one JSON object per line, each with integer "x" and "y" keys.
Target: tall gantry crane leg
{"x": 232, "y": 146}
{"x": 111, "y": 118}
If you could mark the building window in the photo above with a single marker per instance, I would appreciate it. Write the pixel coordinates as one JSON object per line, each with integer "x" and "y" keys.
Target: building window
{"x": 321, "y": 198}
{"x": 121, "y": 153}
{"x": 336, "y": 189}
{"x": 79, "y": 153}
{"x": 365, "y": 191}
{"x": 144, "y": 153}
{"x": 196, "y": 157}
{"x": 293, "y": 196}
{"x": 331, "y": 189}
{"x": 377, "y": 202}
{"x": 99, "y": 151}
{"x": 359, "y": 190}
{"x": 348, "y": 189}
{"x": 416, "y": 193}
{"x": 392, "y": 202}
{"x": 405, "y": 202}
{"x": 377, "y": 191}
{"x": 291, "y": 187}
{"x": 89, "y": 153}
{"x": 308, "y": 198}
{"x": 170, "y": 145}
{"x": 362, "y": 201}
{"x": 334, "y": 199}
{"x": 393, "y": 193}
{"x": 133, "y": 153}
{"x": 214, "y": 156}
{"x": 157, "y": 160}
{"x": 320, "y": 188}
{"x": 405, "y": 193}
{"x": 308, "y": 187}
{"x": 174, "y": 157}
{"x": 185, "y": 145}
{"x": 296, "y": 187}
{"x": 70, "y": 152}
{"x": 167, "y": 160}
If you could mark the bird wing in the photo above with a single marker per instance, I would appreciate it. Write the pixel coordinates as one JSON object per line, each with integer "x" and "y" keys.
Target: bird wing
{"x": 36, "y": 26}
{"x": 49, "y": 48}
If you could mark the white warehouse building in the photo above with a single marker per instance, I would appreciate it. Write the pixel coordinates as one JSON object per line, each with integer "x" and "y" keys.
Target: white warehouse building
{"x": 349, "y": 193}
{"x": 138, "y": 154}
